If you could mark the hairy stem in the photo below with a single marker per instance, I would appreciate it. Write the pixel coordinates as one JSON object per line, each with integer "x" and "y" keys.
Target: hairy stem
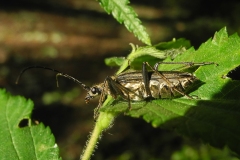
{"x": 103, "y": 122}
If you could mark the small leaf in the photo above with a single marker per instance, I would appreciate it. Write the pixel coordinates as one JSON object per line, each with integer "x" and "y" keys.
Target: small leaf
{"x": 125, "y": 14}
{"x": 215, "y": 116}
{"x": 114, "y": 61}
{"x": 149, "y": 54}
{"x": 175, "y": 43}
{"x": 27, "y": 142}
{"x": 174, "y": 47}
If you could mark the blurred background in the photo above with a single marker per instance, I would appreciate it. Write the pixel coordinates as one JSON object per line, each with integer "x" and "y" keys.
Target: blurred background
{"x": 75, "y": 36}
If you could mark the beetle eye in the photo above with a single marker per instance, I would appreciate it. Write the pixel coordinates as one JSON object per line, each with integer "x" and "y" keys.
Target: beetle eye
{"x": 94, "y": 90}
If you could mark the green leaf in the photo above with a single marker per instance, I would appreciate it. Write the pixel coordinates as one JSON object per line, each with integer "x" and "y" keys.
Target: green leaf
{"x": 215, "y": 116}
{"x": 23, "y": 142}
{"x": 175, "y": 43}
{"x": 150, "y": 54}
{"x": 203, "y": 151}
{"x": 125, "y": 14}
{"x": 174, "y": 47}
{"x": 154, "y": 54}
{"x": 114, "y": 61}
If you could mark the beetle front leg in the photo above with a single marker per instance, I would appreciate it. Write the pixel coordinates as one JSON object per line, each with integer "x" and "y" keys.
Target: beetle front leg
{"x": 117, "y": 89}
{"x": 102, "y": 98}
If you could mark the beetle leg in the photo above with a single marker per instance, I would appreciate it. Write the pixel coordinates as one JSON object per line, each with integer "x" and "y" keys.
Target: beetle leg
{"x": 102, "y": 98}
{"x": 187, "y": 64}
{"x": 117, "y": 89}
{"x": 166, "y": 80}
{"x": 146, "y": 80}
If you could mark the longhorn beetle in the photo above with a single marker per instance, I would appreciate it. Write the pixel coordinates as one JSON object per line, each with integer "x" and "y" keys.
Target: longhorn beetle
{"x": 137, "y": 85}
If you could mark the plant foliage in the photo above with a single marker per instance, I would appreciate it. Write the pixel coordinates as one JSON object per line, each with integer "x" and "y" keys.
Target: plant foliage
{"x": 125, "y": 14}
{"x": 214, "y": 116}
{"x": 19, "y": 140}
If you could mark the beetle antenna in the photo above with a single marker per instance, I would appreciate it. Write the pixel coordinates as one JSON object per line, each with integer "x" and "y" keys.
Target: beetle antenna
{"x": 58, "y": 74}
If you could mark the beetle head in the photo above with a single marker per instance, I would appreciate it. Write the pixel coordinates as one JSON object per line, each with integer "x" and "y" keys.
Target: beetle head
{"x": 93, "y": 92}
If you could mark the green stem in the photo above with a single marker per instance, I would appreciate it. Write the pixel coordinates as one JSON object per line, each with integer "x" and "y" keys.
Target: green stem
{"x": 103, "y": 122}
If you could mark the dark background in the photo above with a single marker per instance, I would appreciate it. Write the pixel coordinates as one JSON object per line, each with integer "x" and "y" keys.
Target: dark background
{"x": 75, "y": 36}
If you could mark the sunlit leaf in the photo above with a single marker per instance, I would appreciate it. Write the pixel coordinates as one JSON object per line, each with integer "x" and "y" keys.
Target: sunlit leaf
{"x": 123, "y": 13}
{"x": 19, "y": 140}
{"x": 213, "y": 117}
